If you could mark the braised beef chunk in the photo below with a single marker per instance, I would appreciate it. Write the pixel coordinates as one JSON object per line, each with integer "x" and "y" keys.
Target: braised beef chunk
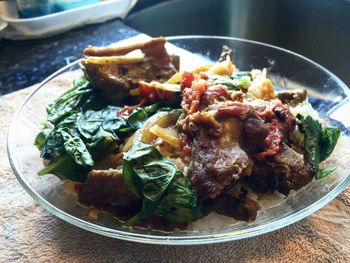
{"x": 297, "y": 173}
{"x": 289, "y": 157}
{"x": 288, "y": 170}
{"x": 292, "y": 97}
{"x": 240, "y": 208}
{"x": 105, "y": 189}
{"x": 255, "y": 130}
{"x": 113, "y": 78}
{"x": 217, "y": 160}
{"x": 263, "y": 178}
{"x": 296, "y": 178}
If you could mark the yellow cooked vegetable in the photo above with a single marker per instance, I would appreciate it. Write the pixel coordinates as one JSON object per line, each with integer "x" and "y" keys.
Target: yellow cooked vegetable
{"x": 167, "y": 135}
{"x": 222, "y": 68}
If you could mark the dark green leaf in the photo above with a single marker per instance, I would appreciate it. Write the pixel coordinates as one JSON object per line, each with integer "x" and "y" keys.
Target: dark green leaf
{"x": 179, "y": 204}
{"x": 234, "y": 84}
{"x": 41, "y": 138}
{"x": 137, "y": 118}
{"x": 324, "y": 172}
{"x": 94, "y": 102}
{"x": 102, "y": 144}
{"x": 76, "y": 149}
{"x": 329, "y": 138}
{"x": 91, "y": 121}
{"x": 242, "y": 74}
{"x": 319, "y": 143}
{"x": 68, "y": 101}
{"x": 111, "y": 121}
{"x": 149, "y": 174}
{"x": 97, "y": 141}
{"x": 153, "y": 108}
{"x": 47, "y": 124}
{"x": 64, "y": 167}
{"x": 68, "y": 122}
{"x": 53, "y": 146}
{"x": 312, "y": 129}
{"x": 126, "y": 130}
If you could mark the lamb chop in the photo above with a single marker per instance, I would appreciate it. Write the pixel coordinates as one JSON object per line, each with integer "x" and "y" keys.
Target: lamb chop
{"x": 114, "y": 71}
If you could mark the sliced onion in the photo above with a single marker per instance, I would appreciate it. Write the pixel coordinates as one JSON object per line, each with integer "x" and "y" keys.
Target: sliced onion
{"x": 161, "y": 119}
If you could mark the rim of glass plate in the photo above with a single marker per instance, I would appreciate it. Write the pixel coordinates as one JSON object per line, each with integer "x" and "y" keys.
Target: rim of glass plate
{"x": 178, "y": 240}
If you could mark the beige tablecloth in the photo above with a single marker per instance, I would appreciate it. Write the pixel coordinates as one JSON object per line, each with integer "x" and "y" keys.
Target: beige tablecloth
{"x": 31, "y": 234}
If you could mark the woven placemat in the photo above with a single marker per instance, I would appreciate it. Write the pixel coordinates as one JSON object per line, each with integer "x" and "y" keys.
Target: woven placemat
{"x": 31, "y": 234}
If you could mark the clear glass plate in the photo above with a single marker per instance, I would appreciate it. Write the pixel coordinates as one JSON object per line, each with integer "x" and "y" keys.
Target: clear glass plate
{"x": 286, "y": 69}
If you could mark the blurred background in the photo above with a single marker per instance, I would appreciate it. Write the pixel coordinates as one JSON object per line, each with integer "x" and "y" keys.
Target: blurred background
{"x": 39, "y": 37}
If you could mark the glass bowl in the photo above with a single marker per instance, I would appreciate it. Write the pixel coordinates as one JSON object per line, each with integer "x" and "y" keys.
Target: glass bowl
{"x": 329, "y": 95}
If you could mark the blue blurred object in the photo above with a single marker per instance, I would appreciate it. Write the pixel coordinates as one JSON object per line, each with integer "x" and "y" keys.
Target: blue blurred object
{"x": 61, "y": 5}
{"x": 34, "y": 8}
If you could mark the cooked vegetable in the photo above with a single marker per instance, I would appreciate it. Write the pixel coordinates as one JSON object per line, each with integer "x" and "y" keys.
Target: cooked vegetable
{"x": 53, "y": 145}
{"x": 90, "y": 121}
{"x": 234, "y": 82}
{"x": 167, "y": 135}
{"x": 43, "y": 135}
{"x": 69, "y": 157}
{"x": 179, "y": 204}
{"x": 69, "y": 101}
{"x": 329, "y": 138}
{"x": 160, "y": 184}
{"x": 155, "y": 91}
{"x": 64, "y": 167}
{"x": 102, "y": 143}
{"x": 312, "y": 129}
{"x": 324, "y": 172}
{"x": 319, "y": 143}
{"x": 76, "y": 149}
{"x": 137, "y": 118}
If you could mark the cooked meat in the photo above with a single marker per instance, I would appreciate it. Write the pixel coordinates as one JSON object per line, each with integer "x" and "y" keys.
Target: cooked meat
{"x": 292, "y": 97}
{"x": 105, "y": 189}
{"x": 289, "y": 157}
{"x": 255, "y": 130}
{"x": 206, "y": 120}
{"x": 298, "y": 177}
{"x": 122, "y": 50}
{"x": 113, "y": 77}
{"x": 217, "y": 160}
{"x": 263, "y": 178}
{"x": 201, "y": 95}
{"x": 175, "y": 60}
{"x": 213, "y": 94}
{"x": 240, "y": 208}
{"x": 288, "y": 171}
{"x": 280, "y": 122}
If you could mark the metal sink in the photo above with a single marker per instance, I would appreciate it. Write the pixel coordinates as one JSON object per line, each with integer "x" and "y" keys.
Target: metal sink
{"x": 317, "y": 29}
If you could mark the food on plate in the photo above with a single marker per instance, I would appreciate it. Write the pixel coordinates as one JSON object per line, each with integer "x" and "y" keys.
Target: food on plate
{"x": 155, "y": 145}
